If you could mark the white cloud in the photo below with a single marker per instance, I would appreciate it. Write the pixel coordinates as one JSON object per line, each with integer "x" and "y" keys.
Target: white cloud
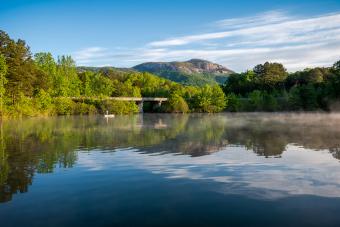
{"x": 240, "y": 43}
{"x": 284, "y": 30}
{"x": 264, "y": 18}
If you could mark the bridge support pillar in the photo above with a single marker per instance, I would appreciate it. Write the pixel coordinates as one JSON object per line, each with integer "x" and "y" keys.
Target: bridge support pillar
{"x": 140, "y": 106}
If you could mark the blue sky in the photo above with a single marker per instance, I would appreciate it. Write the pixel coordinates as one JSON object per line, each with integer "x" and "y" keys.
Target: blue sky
{"x": 237, "y": 34}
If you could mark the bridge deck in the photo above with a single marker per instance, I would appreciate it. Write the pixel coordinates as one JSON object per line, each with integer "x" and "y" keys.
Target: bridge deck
{"x": 135, "y": 99}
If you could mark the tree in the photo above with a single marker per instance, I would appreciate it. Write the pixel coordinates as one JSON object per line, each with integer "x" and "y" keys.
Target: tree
{"x": 315, "y": 76}
{"x": 242, "y": 83}
{"x": 48, "y": 66}
{"x": 336, "y": 66}
{"x": 67, "y": 80}
{"x": 269, "y": 102}
{"x": 21, "y": 74}
{"x": 177, "y": 104}
{"x": 256, "y": 100}
{"x": 303, "y": 97}
{"x": 210, "y": 99}
{"x": 43, "y": 100}
{"x": 86, "y": 78}
{"x": 233, "y": 103}
{"x": 270, "y": 75}
{"x": 3, "y": 80}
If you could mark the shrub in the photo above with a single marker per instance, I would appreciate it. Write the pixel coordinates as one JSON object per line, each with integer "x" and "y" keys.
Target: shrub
{"x": 118, "y": 107}
{"x": 83, "y": 108}
{"x": 43, "y": 101}
{"x": 303, "y": 97}
{"x": 176, "y": 104}
{"x": 24, "y": 106}
{"x": 256, "y": 100}
{"x": 234, "y": 104}
{"x": 210, "y": 99}
{"x": 64, "y": 106}
{"x": 269, "y": 102}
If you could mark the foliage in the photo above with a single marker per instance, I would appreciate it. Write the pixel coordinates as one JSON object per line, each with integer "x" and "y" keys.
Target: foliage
{"x": 3, "y": 80}
{"x": 303, "y": 97}
{"x": 43, "y": 101}
{"x": 118, "y": 107}
{"x": 177, "y": 104}
{"x": 64, "y": 105}
{"x": 270, "y": 75}
{"x": 270, "y": 88}
{"x": 84, "y": 109}
{"x": 336, "y": 66}
{"x": 233, "y": 103}
{"x": 22, "y": 74}
{"x": 210, "y": 99}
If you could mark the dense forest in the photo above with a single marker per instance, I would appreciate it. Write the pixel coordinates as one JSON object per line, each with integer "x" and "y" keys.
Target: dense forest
{"x": 269, "y": 87}
{"x": 41, "y": 85}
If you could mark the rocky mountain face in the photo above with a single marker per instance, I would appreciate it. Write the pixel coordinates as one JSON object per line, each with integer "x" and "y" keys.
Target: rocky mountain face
{"x": 192, "y": 72}
{"x": 192, "y": 66}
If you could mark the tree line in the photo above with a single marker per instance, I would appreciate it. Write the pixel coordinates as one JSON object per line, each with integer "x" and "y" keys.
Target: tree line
{"x": 41, "y": 85}
{"x": 269, "y": 87}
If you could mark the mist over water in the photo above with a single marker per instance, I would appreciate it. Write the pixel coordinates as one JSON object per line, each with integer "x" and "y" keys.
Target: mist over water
{"x": 258, "y": 168}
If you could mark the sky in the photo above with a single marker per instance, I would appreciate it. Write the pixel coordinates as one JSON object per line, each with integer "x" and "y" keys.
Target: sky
{"x": 236, "y": 34}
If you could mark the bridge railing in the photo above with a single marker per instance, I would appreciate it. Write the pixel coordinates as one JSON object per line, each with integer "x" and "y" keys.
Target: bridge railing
{"x": 135, "y": 99}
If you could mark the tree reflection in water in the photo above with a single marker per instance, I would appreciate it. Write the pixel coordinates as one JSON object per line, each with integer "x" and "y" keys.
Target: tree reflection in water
{"x": 30, "y": 146}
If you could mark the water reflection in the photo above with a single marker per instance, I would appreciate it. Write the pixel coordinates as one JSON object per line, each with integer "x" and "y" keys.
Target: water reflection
{"x": 33, "y": 146}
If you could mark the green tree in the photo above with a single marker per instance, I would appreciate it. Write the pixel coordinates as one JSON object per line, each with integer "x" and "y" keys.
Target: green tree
{"x": 47, "y": 64}
{"x": 269, "y": 102}
{"x": 67, "y": 82}
{"x": 22, "y": 72}
{"x": 303, "y": 97}
{"x": 176, "y": 104}
{"x": 315, "y": 76}
{"x": 3, "y": 80}
{"x": 210, "y": 99}
{"x": 256, "y": 100}
{"x": 270, "y": 75}
{"x": 336, "y": 66}
{"x": 242, "y": 83}
{"x": 233, "y": 103}
{"x": 43, "y": 100}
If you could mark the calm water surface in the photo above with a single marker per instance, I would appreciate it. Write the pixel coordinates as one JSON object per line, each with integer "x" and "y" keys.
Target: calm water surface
{"x": 167, "y": 170}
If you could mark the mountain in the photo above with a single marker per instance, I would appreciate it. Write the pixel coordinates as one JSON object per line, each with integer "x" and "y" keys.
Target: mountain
{"x": 104, "y": 69}
{"x": 192, "y": 72}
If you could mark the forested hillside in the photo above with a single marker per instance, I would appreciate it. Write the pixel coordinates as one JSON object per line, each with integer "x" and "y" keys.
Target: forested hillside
{"x": 269, "y": 87}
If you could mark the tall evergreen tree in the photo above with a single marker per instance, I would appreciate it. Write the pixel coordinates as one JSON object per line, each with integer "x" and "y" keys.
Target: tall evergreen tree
{"x": 3, "y": 80}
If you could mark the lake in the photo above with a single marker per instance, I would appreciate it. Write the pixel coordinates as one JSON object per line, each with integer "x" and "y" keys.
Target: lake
{"x": 171, "y": 170}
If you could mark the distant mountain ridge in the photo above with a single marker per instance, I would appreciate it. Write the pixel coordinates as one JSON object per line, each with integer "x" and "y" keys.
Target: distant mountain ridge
{"x": 194, "y": 71}
{"x": 192, "y": 66}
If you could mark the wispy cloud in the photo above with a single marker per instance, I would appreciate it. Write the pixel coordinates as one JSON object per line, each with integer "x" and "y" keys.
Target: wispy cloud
{"x": 240, "y": 43}
{"x": 259, "y": 19}
{"x": 99, "y": 56}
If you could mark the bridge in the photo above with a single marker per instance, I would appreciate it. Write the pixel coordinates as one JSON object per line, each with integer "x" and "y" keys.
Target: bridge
{"x": 139, "y": 100}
